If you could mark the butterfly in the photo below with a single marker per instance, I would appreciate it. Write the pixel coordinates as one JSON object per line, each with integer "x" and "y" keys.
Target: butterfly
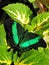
{"x": 21, "y": 40}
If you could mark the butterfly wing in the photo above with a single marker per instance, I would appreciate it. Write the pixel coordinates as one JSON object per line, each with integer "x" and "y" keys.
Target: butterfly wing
{"x": 26, "y": 40}
{"x": 8, "y": 25}
{"x": 29, "y": 41}
{"x": 14, "y": 33}
{"x": 16, "y": 36}
{"x": 17, "y": 32}
{"x": 32, "y": 40}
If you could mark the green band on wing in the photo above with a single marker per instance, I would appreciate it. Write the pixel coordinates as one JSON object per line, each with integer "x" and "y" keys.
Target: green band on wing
{"x": 14, "y": 32}
{"x": 30, "y": 42}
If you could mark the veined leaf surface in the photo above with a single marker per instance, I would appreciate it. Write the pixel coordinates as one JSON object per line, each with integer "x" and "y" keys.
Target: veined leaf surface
{"x": 2, "y": 35}
{"x": 40, "y": 23}
{"x": 18, "y": 12}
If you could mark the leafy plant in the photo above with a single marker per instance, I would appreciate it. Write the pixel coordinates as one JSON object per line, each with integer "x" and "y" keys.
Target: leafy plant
{"x": 31, "y": 1}
{"x": 39, "y": 25}
{"x": 2, "y": 35}
{"x": 5, "y": 57}
{"x": 32, "y": 57}
{"x": 19, "y": 12}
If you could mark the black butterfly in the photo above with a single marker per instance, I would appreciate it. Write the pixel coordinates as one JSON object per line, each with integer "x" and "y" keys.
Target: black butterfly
{"x": 21, "y": 40}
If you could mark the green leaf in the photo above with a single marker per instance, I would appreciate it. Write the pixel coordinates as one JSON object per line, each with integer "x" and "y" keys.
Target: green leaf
{"x": 28, "y": 27}
{"x": 31, "y": 1}
{"x": 15, "y": 57}
{"x": 34, "y": 57}
{"x": 46, "y": 35}
{"x": 5, "y": 57}
{"x": 18, "y": 12}
{"x": 2, "y": 35}
{"x": 40, "y": 23}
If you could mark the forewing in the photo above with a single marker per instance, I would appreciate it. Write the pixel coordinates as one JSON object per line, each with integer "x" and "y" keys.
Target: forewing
{"x": 8, "y": 29}
{"x": 17, "y": 32}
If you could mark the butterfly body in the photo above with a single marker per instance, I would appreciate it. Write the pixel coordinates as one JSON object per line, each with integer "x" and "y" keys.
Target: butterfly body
{"x": 21, "y": 40}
